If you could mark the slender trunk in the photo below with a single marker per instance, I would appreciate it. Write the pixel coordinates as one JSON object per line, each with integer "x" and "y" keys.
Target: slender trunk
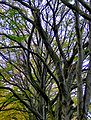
{"x": 58, "y": 112}
{"x": 79, "y": 68}
{"x": 88, "y": 80}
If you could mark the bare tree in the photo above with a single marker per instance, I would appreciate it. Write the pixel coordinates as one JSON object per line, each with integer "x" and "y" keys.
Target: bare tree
{"x": 44, "y": 51}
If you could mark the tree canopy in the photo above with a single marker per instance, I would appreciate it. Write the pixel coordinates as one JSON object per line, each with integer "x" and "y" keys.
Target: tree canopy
{"x": 45, "y": 59}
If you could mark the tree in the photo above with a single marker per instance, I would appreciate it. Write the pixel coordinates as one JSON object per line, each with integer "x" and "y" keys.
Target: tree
{"x": 45, "y": 58}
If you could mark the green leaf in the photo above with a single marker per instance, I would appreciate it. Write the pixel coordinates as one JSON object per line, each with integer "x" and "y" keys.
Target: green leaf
{"x": 16, "y": 38}
{"x": 1, "y": 77}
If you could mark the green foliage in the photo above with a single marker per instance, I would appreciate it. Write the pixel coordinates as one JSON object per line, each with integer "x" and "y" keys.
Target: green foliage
{"x": 16, "y": 38}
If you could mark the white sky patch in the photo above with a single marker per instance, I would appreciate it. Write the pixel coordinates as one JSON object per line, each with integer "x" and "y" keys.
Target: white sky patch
{"x": 85, "y": 64}
{"x": 72, "y": 2}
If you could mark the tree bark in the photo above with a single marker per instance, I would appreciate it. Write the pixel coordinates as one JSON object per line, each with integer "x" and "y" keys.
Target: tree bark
{"x": 87, "y": 94}
{"x": 79, "y": 68}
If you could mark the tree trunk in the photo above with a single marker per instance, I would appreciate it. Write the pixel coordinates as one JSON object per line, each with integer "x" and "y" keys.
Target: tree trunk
{"x": 79, "y": 68}
{"x": 88, "y": 80}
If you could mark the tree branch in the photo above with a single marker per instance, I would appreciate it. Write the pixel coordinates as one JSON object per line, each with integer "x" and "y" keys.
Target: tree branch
{"x": 73, "y": 7}
{"x": 15, "y": 94}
